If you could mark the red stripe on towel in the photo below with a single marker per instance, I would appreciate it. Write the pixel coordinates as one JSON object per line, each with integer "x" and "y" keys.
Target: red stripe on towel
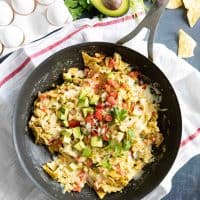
{"x": 190, "y": 138}
{"x": 46, "y": 49}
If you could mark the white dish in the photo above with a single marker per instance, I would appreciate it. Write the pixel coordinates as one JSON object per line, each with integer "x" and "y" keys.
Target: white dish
{"x": 12, "y": 36}
{"x": 45, "y": 2}
{"x": 58, "y": 14}
{"x": 24, "y": 8}
{"x": 6, "y": 14}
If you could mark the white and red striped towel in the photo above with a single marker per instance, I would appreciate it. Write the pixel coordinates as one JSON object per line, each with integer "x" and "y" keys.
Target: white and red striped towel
{"x": 14, "y": 184}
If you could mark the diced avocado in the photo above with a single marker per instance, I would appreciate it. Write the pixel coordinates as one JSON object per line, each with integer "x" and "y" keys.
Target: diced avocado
{"x": 76, "y": 132}
{"x": 96, "y": 141}
{"x": 79, "y": 146}
{"x": 61, "y": 116}
{"x": 83, "y": 102}
{"x": 108, "y": 9}
{"x": 67, "y": 77}
{"x": 85, "y": 93}
{"x": 62, "y": 113}
{"x": 73, "y": 166}
{"x": 94, "y": 99}
{"x": 66, "y": 132}
{"x": 87, "y": 110}
{"x": 87, "y": 152}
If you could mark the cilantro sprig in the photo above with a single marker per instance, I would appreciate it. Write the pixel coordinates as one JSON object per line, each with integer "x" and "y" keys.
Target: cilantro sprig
{"x": 119, "y": 114}
{"x": 78, "y": 7}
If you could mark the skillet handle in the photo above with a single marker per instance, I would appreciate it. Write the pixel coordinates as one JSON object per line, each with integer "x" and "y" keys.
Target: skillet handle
{"x": 151, "y": 22}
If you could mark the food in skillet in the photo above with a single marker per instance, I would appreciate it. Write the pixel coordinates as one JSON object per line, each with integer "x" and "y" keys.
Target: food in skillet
{"x": 101, "y": 123}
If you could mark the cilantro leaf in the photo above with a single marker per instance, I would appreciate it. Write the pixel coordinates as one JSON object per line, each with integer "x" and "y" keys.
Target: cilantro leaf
{"x": 119, "y": 114}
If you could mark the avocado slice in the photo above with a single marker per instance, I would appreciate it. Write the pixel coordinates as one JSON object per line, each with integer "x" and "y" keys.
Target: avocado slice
{"x": 123, "y": 8}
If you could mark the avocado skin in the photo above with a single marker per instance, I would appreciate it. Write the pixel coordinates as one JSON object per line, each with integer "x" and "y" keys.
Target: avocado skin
{"x": 98, "y": 4}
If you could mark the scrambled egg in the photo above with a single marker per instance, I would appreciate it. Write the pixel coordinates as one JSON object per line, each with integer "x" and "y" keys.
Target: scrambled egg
{"x": 102, "y": 124}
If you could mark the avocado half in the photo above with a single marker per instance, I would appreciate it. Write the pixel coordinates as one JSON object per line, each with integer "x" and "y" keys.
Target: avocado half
{"x": 124, "y": 7}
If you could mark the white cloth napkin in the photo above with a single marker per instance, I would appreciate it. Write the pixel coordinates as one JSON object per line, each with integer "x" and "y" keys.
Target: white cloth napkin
{"x": 14, "y": 184}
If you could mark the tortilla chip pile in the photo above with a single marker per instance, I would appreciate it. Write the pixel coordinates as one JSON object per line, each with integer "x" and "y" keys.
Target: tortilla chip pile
{"x": 186, "y": 42}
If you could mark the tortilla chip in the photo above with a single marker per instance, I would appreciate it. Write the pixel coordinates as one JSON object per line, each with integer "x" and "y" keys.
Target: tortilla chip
{"x": 193, "y": 16}
{"x": 191, "y": 4}
{"x": 186, "y": 45}
{"x": 173, "y": 4}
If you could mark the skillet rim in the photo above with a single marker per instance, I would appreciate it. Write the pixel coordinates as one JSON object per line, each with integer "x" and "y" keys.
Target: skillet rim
{"x": 42, "y": 64}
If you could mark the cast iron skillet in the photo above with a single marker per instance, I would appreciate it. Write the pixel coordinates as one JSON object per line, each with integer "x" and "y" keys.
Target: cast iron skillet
{"x": 32, "y": 156}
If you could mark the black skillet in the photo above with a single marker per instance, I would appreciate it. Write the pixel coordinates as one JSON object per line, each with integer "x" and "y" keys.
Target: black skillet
{"x": 32, "y": 156}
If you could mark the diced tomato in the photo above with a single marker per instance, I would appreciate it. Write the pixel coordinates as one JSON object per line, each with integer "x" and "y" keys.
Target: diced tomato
{"x": 77, "y": 159}
{"x": 113, "y": 83}
{"x": 87, "y": 139}
{"x": 82, "y": 175}
{"x": 55, "y": 144}
{"x": 99, "y": 114}
{"x": 44, "y": 109}
{"x": 134, "y": 74}
{"x": 154, "y": 114}
{"x": 94, "y": 133}
{"x": 132, "y": 107}
{"x": 111, "y": 100}
{"x": 99, "y": 106}
{"x": 108, "y": 118}
{"x": 118, "y": 169}
{"x": 89, "y": 163}
{"x": 145, "y": 141}
{"x": 111, "y": 63}
{"x": 97, "y": 88}
{"x": 77, "y": 188}
{"x": 105, "y": 137}
{"x": 90, "y": 119}
{"x": 107, "y": 88}
{"x": 124, "y": 85}
{"x": 42, "y": 96}
{"x": 125, "y": 106}
{"x": 144, "y": 86}
{"x": 153, "y": 138}
{"x": 73, "y": 123}
{"x": 113, "y": 94}
{"x": 86, "y": 71}
{"x": 105, "y": 127}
